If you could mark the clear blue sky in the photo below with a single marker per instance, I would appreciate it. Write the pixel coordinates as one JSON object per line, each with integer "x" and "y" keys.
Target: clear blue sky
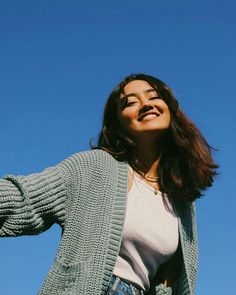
{"x": 59, "y": 60}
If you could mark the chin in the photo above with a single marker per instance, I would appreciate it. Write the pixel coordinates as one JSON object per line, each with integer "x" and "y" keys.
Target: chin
{"x": 149, "y": 134}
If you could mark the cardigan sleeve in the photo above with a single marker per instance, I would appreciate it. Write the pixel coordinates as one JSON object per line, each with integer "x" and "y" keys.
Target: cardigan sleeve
{"x": 31, "y": 204}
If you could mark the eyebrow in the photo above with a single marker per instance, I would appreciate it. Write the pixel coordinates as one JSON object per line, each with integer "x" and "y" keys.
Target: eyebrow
{"x": 134, "y": 94}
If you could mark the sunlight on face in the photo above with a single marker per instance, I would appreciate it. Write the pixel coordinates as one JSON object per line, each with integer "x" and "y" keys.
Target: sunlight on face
{"x": 142, "y": 111}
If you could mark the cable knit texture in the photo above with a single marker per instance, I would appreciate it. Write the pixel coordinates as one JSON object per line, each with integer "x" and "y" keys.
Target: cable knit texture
{"x": 86, "y": 195}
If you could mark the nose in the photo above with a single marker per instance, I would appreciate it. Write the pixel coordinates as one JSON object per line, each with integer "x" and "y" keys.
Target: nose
{"x": 145, "y": 106}
{"x": 145, "y": 102}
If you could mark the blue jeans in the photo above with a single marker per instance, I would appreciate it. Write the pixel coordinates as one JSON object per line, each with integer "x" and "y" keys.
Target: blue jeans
{"x": 119, "y": 287}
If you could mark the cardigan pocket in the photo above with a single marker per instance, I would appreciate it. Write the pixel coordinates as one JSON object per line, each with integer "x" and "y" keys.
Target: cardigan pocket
{"x": 162, "y": 290}
{"x": 62, "y": 277}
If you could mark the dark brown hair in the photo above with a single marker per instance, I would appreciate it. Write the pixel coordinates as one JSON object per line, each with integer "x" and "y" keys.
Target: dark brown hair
{"x": 186, "y": 166}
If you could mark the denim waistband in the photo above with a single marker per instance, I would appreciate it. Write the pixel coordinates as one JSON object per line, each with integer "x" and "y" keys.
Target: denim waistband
{"x": 117, "y": 284}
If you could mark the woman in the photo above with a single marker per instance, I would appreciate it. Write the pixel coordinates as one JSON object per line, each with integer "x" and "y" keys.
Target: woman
{"x": 126, "y": 208}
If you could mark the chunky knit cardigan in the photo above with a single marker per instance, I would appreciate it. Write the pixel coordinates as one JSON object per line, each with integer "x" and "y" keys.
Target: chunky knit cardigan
{"x": 86, "y": 195}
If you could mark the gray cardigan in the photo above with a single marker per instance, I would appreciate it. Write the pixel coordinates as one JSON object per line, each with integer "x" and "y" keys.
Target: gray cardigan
{"x": 86, "y": 195}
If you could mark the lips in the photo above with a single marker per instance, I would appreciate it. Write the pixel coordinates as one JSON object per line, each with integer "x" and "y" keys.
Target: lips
{"x": 148, "y": 116}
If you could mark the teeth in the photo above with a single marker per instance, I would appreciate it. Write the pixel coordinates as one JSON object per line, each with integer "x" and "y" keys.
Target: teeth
{"x": 149, "y": 117}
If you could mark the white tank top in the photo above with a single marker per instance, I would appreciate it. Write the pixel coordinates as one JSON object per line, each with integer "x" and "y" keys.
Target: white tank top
{"x": 150, "y": 235}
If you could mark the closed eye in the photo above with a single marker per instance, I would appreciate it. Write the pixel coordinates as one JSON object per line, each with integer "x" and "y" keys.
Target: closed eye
{"x": 154, "y": 97}
{"x": 130, "y": 103}
{"x": 126, "y": 103}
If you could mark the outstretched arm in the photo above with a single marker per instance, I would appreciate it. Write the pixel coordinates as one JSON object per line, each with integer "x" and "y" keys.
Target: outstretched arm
{"x": 31, "y": 204}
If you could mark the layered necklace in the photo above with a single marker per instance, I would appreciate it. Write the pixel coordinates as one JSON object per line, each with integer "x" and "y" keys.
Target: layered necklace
{"x": 149, "y": 178}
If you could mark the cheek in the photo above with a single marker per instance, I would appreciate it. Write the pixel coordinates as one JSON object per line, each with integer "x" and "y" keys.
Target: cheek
{"x": 168, "y": 116}
{"x": 126, "y": 121}
{"x": 122, "y": 120}
{"x": 126, "y": 117}
{"x": 167, "y": 113}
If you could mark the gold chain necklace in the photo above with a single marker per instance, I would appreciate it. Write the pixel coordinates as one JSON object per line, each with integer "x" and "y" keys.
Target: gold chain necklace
{"x": 147, "y": 177}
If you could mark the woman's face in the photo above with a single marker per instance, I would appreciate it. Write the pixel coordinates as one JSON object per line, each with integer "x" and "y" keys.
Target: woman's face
{"x": 142, "y": 111}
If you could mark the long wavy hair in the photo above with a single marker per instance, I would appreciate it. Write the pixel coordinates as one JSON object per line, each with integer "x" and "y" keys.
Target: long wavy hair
{"x": 186, "y": 167}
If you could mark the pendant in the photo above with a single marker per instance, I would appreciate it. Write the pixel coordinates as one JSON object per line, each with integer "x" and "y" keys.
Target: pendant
{"x": 155, "y": 191}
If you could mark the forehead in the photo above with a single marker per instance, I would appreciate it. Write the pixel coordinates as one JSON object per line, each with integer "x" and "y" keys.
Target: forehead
{"x": 136, "y": 86}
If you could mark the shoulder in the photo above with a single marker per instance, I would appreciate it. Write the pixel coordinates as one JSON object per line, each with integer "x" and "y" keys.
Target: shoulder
{"x": 93, "y": 156}
{"x": 87, "y": 160}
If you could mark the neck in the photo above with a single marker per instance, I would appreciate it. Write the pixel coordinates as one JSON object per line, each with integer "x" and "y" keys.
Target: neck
{"x": 149, "y": 154}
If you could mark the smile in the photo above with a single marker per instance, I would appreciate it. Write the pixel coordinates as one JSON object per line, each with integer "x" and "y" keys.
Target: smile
{"x": 148, "y": 117}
